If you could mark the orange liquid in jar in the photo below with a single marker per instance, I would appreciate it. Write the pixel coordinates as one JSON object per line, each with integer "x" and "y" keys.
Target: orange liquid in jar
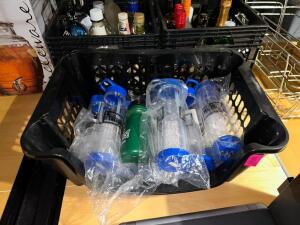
{"x": 20, "y": 70}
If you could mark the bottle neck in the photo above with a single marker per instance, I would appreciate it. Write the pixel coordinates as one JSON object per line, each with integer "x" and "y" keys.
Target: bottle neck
{"x": 97, "y": 22}
{"x": 170, "y": 6}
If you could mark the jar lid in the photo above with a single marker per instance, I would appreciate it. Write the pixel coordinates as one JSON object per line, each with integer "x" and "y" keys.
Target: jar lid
{"x": 139, "y": 17}
{"x": 122, "y": 16}
{"x": 96, "y": 14}
{"x": 98, "y": 4}
{"x": 229, "y": 23}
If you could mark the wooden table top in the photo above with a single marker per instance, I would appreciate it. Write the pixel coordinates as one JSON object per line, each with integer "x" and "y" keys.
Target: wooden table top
{"x": 257, "y": 184}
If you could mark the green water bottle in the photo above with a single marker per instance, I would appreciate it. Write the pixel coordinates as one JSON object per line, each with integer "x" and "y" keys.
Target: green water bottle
{"x": 132, "y": 150}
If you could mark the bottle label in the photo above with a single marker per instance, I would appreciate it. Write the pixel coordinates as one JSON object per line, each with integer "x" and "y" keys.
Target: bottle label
{"x": 124, "y": 27}
{"x": 125, "y": 136}
{"x": 213, "y": 107}
{"x": 139, "y": 29}
{"x": 98, "y": 31}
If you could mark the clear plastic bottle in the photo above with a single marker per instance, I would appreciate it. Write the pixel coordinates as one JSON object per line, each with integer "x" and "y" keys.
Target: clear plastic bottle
{"x": 210, "y": 107}
{"x": 106, "y": 154}
{"x": 167, "y": 98}
{"x": 98, "y": 25}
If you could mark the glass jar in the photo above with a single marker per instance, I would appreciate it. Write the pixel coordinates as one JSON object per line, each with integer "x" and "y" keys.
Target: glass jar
{"x": 20, "y": 68}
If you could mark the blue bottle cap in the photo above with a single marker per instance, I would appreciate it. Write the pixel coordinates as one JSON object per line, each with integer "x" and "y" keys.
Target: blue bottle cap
{"x": 95, "y": 103}
{"x": 210, "y": 164}
{"x": 102, "y": 161}
{"x": 191, "y": 97}
{"x": 77, "y": 30}
{"x": 133, "y": 6}
{"x": 227, "y": 145}
{"x": 113, "y": 92}
{"x": 192, "y": 86}
{"x": 170, "y": 159}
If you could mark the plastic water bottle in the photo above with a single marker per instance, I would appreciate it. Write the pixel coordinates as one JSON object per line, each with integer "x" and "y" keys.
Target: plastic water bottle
{"x": 195, "y": 125}
{"x": 211, "y": 108}
{"x": 88, "y": 117}
{"x": 167, "y": 97}
{"x": 109, "y": 130}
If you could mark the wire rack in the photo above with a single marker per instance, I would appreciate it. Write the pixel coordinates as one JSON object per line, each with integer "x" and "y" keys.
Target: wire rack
{"x": 278, "y": 68}
{"x": 277, "y": 64}
{"x": 278, "y": 9}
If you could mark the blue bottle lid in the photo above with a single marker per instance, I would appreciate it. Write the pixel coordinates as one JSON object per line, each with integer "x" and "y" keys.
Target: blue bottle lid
{"x": 227, "y": 145}
{"x": 102, "y": 161}
{"x": 95, "y": 102}
{"x": 113, "y": 92}
{"x": 77, "y": 30}
{"x": 210, "y": 164}
{"x": 133, "y": 6}
{"x": 192, "y": 86}
{"x": 170, "y": 159}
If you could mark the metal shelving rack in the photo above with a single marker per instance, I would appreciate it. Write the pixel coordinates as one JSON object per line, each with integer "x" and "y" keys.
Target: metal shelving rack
{"x": 278, "y": 60}
{"x": 277, "y": 8}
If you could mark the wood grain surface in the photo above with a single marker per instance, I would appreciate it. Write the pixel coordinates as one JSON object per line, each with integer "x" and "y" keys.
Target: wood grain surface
{"x": 257, "y": 184}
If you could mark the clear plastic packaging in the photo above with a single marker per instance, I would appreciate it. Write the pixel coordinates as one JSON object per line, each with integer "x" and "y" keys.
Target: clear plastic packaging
{"x": 172, "y": 157}
{"x": 170, "y": 133}
{"x": 221, "y": 144}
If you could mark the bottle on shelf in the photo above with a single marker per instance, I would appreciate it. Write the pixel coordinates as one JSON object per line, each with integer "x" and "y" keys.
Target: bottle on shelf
{"x": 225, "y": 6}
{"x": 139, "y": 23}
{"x": 133, "y": 7}
{"x": 179, "y": 16}
{"x": 98, "y": 26}
{"x": 201, "y": 20}
{"x": 188, "y": 9}
{"x": 169, "y": 16}
{"x": 71, "y": 22}
{"x": 111, "y": 11}
{"x": 123, "y": 23}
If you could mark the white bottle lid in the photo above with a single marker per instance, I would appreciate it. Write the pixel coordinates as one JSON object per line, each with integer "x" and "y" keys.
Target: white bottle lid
{"x": 229, "y": 23}
{"x": 122, "y": 16}
{"x": 96, "y": 14}
{"x": 86, "y": 22}
{"x": 98, "y": 4}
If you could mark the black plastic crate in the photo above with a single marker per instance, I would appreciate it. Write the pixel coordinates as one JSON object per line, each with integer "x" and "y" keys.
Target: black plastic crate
{"x": 245, "y": 38}
{"x": 60, "y": 45}
{"x": 49, "y": 132}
